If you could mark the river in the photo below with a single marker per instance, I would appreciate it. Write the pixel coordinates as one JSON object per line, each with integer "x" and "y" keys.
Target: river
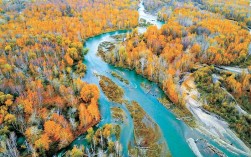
{"x": 175, "y": 132}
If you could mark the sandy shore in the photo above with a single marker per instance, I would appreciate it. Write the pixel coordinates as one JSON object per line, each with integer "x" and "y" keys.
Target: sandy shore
{"x": 209, "y": 123}
{"x": 194, "y": 147}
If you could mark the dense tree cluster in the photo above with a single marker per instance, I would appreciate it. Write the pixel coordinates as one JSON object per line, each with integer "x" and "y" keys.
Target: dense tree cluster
{"x": 234, "y": 10}
{"x": 153, "y": 6}
{"x": 41, "y": 54}
{"x": 239, "y": 85}
{"x": 99, "y": 142}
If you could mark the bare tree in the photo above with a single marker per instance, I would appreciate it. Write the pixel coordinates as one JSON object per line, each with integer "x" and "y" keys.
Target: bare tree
{"x": 11, "y": 146}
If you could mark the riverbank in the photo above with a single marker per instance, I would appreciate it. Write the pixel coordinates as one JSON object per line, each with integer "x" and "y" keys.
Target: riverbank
{"x": 208, "y": 123}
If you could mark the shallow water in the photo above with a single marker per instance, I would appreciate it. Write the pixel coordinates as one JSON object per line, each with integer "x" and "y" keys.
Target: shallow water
{"x": 174, "y": 131}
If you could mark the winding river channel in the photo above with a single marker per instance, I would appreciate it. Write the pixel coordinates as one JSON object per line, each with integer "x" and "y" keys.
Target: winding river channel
{"x": 174, "y": 131}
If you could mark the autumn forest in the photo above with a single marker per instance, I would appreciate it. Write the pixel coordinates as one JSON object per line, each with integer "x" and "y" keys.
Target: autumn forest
{"x": 125, "y": 78}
